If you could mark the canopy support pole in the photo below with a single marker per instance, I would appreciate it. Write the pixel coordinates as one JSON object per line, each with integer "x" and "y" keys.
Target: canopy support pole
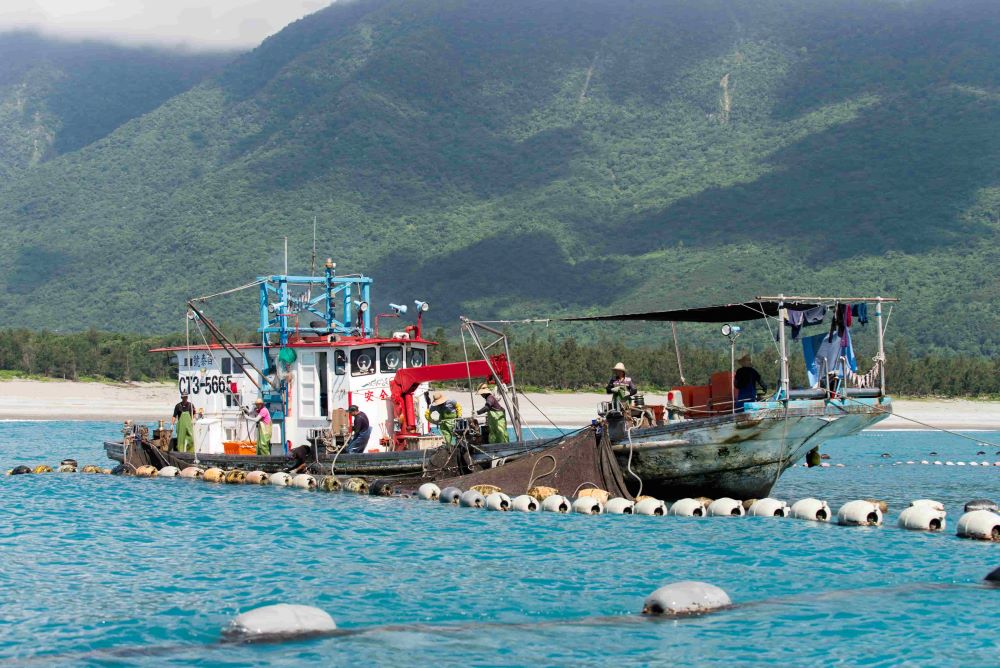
{"x": 881, "y": 347}
{"x": 782, "y": 316}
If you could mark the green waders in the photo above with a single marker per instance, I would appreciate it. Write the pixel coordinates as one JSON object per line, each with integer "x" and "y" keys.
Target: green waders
{"x": 447, "y": 426}
{"x": 185, "y": 433}
{"x": 263, "y": 440}
{"x": 496, "y": 421}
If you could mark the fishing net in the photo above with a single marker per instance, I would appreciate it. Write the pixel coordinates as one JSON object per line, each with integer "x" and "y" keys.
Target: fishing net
{"x": 578, "y": 461}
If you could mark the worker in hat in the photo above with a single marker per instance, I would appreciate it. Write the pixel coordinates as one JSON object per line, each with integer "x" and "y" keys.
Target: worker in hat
{"x": 496, "y": 416}
{"x": 361, "y": 430}
{"x": 262, "y": 417}
{"x": 745, "y": 380}
{"x": 621, "y": 388}
{"x": 184, "y": 420}
{"x": 443, "y": 412}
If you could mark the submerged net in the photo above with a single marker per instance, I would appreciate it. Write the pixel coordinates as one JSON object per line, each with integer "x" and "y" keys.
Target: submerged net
{"x": 576, "y": 462}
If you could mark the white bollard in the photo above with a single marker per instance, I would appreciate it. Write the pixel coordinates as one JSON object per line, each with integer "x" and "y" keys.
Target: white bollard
{"x": 429, "y": 492}
{"x": 859, "y": 513}
{"x": 980, "y": 524}
{"x": 769, "y": 508}
{"x": 619, "y": 506}
{"x": 687, "y": 508}
{"x": 726, "y": 507}
{"x": 587, "y": 505}
{"x": 922, "y": 518}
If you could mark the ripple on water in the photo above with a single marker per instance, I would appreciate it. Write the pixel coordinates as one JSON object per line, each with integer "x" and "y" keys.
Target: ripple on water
{"x": 93, "y": 562}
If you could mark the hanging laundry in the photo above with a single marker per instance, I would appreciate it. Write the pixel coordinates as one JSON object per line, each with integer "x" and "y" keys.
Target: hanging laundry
{"x": 794, "y": 320}
{"x": 860, "y": 311}
{"x": 799, "y": 319}
{"x": 822, "y": 354}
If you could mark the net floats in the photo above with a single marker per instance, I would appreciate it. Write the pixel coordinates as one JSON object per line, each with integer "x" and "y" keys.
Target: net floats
{"x": 859, "y": 513}
{"x": 685, "y": 598}
{"x": 283, "y": 621}
{"x": 980, "y": 525}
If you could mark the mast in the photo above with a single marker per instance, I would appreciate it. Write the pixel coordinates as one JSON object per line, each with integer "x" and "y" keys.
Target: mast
{"x": 881, "y": 347}
{"x": 782, "y": 315}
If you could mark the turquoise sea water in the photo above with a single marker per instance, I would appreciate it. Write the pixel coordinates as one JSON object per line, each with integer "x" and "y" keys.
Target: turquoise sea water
{"x": 104, "y": 570}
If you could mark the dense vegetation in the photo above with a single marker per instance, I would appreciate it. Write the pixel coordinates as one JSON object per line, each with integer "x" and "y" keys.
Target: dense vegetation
{"x": 57, "y": 96}
{"x": 528, "y": 158}
{"x": 548, "y": 363}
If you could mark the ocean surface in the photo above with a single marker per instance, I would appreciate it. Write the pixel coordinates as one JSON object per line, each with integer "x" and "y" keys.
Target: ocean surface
{"x": 102, "y": 570}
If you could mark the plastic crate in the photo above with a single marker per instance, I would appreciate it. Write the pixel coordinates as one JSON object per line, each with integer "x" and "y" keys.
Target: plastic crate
{"x": 239, "y": 447}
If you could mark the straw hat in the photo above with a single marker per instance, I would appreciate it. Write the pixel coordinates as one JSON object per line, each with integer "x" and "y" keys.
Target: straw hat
{"x": 746, "y": 360}
{"x": 619, "y": 367}
{"x": 259, "y": 401}
{"x": 438, "y": 398}
{"x": 484, "y": 389}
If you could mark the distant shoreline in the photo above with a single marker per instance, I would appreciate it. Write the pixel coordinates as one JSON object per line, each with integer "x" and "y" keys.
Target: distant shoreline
{"x": 148, "y": 402}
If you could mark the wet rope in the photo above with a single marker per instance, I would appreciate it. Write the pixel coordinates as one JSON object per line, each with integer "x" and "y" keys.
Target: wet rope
{"x": 531, "y": 477}
{"x": 924, "y": 424}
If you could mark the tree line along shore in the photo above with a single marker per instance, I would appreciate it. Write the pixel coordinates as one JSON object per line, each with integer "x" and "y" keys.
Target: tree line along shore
{"x": 543, "y": 363}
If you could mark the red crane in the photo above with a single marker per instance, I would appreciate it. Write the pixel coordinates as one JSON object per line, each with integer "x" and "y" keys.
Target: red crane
{"x": 406, "y": 382}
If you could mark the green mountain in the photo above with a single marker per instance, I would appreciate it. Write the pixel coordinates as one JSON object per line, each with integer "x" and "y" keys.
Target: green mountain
{"x": 522, "y": 158}
{"x": 57, "y": 96}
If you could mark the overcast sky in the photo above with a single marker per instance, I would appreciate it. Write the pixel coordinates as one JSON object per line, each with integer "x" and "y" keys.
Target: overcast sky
{"x": 195, "y": 23}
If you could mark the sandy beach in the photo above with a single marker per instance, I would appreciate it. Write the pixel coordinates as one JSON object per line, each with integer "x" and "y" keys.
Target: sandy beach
{"x": 65, "y": 400}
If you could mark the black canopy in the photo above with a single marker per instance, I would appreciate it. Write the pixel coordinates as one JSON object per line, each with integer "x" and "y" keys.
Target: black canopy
{"x": 724, "y": 313}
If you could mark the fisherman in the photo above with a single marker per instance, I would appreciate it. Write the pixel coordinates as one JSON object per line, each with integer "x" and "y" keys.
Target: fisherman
{"x": 361, "y": 430}
{"x": 496, "y": 417}
{"x": 443, "y": 412}
{"x": 184, "y": 419}
{"x": 746, "y": 381}
{"x": 300, "y": 458}
{"x": 621, "y": 388}
{"x": 262, "y": 417}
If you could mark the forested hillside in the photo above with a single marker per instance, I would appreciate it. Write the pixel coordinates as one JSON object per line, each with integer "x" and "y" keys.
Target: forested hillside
{"x": 525, "y": 158}
{"x": 57, "y": 96}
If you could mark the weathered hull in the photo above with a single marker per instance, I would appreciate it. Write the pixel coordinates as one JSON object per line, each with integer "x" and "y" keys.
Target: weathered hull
{"x": 742, "y": 455}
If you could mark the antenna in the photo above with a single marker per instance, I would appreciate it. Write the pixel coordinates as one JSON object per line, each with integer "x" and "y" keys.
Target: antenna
{"x": 312, "y": 263}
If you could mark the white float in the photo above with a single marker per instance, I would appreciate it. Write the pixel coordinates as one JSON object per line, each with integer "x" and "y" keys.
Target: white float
{"x": 281, "y": 479}
{"x": 587, "y": 505}
{"x": 556, "y": 504}
{"x": 687, "y": 508}
{"x": 922, "y": 518}
{"x": 472, "y": 499}
{"x": 524, "y": 504}
{"x": 304, "y": 481}
{"x": 979, "y": 524}
{"x": 192, "y": 472}
{"x": 726, "y": 507}
{"x": 685, "y": 598}
{"x": 450, "y": 495}
{"x": 859, "y": 513}
{"x": 619, "y": 506}
{"x": 429, "y": 492}
{"x": 280, "y": 621}
{"x": 812, "y": 510}
{"x": 769, "y": 508}
{"x": 649, "y": 506}
{"x": 169, "y": 472}
{"x": 928, "y": 503}
{"x": 498, "y": 501}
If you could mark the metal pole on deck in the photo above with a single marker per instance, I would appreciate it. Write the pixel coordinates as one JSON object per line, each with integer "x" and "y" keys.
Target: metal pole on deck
{"x": 782, "y": 315}
{"x": 881, "y": 347}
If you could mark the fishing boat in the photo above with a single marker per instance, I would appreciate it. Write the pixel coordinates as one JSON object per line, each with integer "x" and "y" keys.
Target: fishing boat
{"x": 321, "y": 350}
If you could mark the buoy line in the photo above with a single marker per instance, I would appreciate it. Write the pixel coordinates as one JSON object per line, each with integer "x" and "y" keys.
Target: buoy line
{"x": 980, "y": 521}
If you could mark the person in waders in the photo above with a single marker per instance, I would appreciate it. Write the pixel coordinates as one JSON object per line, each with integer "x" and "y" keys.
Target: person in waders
{"x": 262, "y": 417}
{"x": 184, "y": 420}
{"x": 622, "y": 388}
{"x": 443, "y": 412}
{"x": 496, "y": 417}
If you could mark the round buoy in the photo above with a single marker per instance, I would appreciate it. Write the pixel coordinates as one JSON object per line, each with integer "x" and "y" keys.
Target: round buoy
{"x": 304, "y": 481}
{"x": 980, "y": 504}
{"x": 382, "y": 488}
{"x": 277, "y": 622}
{"x": 524, "y": 504}
{"x": 687, "y": 508}
{"x": 329, "y": 483}
{"x": 587, "y": 505}
{"x": 450, "y": 495}
{"x": 147, "y": 471}
{"x": 556, "y": 503}
{"x": 979, "y": 524}
{"x": 214, "y": 474}
{"x": 859, "y": 513}
{"x": 429, "y": 492}
{"x": 91, "y": 468}
{"x": 169, "y": 472}
{"x": 685, "y": 598}
{"x": 472, "y": 499}
{"x": 769, "y": 508}
{"x": 928, "y": 503}
{"x": 19, "y": 470}
{"x": 42, "y": 468}
{"x": 619, "y": 506}
{"x": 650, "y": 507}
{"x": 356, "y": 485}
{"x": 281, "y": 479}
{"x": 811, "y": 509}
{"x": 235, "y": 476}
{"x": 498, "y": 501}
{"x": 922, "y": 518}
{"x": 66, "y": 468}
{"x": 726, "y": 507}
{"x": 257, "y": 478}
{"x": 192, "y": 472}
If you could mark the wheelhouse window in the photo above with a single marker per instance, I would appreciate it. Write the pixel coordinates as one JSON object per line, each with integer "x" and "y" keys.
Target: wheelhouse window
{"x": 363, "y": 361}
{"x": 416, "y": 357}
{"x": 339, "y": 362}
{"x": 390, "y": 358}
